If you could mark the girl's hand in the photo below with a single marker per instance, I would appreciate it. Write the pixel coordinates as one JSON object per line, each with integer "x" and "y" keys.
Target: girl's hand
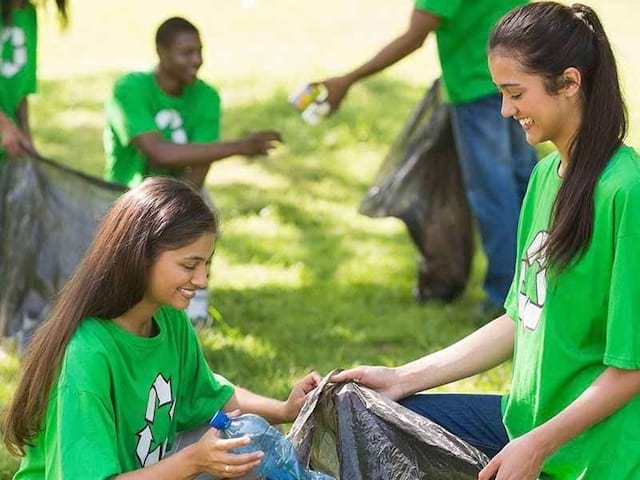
{"x": 299, "y": 394}
{"x": 384, "y": 380}
{"x": 212, "y": 455}
{"x": 520, "y": 459}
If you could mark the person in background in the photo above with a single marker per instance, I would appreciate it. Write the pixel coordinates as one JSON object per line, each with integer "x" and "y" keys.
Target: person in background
{"x": 496, "y": 160}
{"x": 166, "y": 121}
{"x": 18, "y": 79}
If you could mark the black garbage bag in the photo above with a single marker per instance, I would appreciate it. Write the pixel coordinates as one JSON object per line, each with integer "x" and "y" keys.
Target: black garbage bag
{"x": 48, "y": 217}
{"x": 353, "y": 433}
{"x": 420, "y": 182}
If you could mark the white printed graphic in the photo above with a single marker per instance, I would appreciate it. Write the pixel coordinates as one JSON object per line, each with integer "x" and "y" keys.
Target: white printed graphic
{"x": 171, "y": 119}
{"x": 160, "y": 394}
{"x": 17, "y": 38}
{"x": 530, "y": 306}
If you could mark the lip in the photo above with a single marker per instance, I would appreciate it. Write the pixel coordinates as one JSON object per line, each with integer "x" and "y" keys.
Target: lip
{"x": 186, "y": 293}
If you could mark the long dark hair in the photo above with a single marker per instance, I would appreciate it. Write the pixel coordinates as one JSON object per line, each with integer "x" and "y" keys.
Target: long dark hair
{"x": 547, "y": 38}
{"x": 159, "y": 215}
{"x": 7, "y": 6}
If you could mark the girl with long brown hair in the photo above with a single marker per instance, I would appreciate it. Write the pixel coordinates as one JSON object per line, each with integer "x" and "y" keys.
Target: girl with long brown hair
{"x": 117, "y": 370}
{"x": 571, "y": 324}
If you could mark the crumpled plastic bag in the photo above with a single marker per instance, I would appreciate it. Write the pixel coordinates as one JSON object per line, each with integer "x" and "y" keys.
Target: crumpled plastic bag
{"x": 353, "y": 433}
{"x": 48, "y": 217}
{"x": 420, "y": 182}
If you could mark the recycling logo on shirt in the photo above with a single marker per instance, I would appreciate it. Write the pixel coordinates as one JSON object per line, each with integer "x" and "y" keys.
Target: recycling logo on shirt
{"x": 160, "y": 395}
{"x": 171, "y": 119}
{"x": 16, "y": 37}
{"x": 533, "y": 282}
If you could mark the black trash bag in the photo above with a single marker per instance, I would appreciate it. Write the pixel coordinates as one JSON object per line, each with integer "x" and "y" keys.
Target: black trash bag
{"x": 48, "y": 217}
{"x": 420, "y": 182}
{"x": 353, "y": 433}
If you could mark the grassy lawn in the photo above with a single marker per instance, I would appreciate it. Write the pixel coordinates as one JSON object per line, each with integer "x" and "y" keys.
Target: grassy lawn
{"x": 301, "y": 279}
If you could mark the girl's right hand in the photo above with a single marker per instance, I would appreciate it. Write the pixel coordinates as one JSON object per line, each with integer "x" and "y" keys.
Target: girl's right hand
{"x": 212, "y": 455}
{"x": 384, "y": 380}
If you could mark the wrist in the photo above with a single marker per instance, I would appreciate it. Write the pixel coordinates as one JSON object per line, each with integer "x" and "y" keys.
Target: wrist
{"x": 545, "y": 441}
{"x": 191, "y": 462}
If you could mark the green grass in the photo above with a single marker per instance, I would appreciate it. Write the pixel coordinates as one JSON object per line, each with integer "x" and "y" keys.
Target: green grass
{"x": 301, "y": 279}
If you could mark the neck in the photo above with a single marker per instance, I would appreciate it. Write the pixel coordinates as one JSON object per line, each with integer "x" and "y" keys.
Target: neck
{"x": 168, "y": 84}
{"x": 565, "y": 138}
{"x": 138, "y": 320}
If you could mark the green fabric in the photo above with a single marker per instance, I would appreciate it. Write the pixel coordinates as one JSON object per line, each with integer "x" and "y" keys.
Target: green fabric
{"x": 138, "y": 106}
{"x": 571, "y": 326}
{"x": 18, "y": 60}
{"x": 114, "y": 390}
{"x": 463, "y": 36}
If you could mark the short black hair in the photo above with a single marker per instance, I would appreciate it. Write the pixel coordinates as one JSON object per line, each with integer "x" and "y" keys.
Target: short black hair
{"x": 171, "y": 28}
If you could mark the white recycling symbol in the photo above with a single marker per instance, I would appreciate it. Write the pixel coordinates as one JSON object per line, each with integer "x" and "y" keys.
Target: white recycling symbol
{"x": 159, "y": 396}
{"x": 169, "y": 118}
{"x": 529, "y": 309}
{"x": 17, "y": 38}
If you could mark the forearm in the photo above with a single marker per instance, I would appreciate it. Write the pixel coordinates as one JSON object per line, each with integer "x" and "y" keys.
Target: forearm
{"x": 196, "y": 176}
{"x": 166, "y": 154}
{"x": 484, "y": 349}
{"x": 23, "y": 117}
{"x": 248, "y": 402}
{"x": 179, "y": 466}
{"x": 607, "y": 394}
{"x": 393, "y": 52}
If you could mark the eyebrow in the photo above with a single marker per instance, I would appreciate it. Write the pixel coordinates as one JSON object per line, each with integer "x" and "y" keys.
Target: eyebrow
{"x": 507, "y": 85}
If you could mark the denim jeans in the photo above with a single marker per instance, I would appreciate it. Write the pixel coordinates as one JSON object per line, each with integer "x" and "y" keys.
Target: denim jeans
{"x": 474, "y": 418}
{"x": 496, "y": 162}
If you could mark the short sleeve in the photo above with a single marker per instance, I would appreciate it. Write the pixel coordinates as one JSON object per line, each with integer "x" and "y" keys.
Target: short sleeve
{"x": 623, "y": 315}
{"x": 128, "y": 112}
{"x": 204, "y": 392}
{"x": 207, "y": 127}
{"x": 440, "y": 8}
{"x": 80, "y": 437}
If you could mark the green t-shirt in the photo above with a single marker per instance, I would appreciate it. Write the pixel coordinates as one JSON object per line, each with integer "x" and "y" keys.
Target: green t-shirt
{"x": 574, "y": 325}
{"x": 463, "y": 36}
{"x": 121, "y": 398}
{"x": 138, "y": 106}
{"x": 18, "y": 42}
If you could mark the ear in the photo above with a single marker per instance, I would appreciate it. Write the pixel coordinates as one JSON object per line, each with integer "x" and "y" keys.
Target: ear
{"x": 571, "y": 81}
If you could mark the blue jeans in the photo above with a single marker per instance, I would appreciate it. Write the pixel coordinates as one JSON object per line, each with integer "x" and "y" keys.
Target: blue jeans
{"x": 496, "y": 162}
{"x": 474, "y": 418}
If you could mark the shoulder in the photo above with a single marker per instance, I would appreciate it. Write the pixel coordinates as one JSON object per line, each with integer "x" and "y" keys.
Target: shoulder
{"x": 622, "y": 174}
{"x": 205, "y": 91}
{"x": 138, "y": 81}
{"x": 85, "y": 364}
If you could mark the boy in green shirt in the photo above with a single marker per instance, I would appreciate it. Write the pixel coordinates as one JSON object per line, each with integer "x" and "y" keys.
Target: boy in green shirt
{"x": 494, "y": 157}
{"x": 167, "y": 121}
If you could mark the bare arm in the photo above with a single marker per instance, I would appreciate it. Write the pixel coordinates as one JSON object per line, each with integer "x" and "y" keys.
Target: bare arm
{"x": 420, "y": 25}
{"x": 161, "y": 153}
{"x": 523, "y": 457}
{"x": 23, "y": 117}
{"x": 485, "y": 348}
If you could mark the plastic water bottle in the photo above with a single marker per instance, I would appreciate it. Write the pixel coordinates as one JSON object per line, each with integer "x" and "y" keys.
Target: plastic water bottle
{"x": 280, "y": 461}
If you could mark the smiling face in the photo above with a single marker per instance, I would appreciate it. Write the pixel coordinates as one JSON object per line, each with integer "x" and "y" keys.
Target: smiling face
{"x": 176, "y": 274}
{"x": 182, "y": 58}
{"x": 543, "y": 115}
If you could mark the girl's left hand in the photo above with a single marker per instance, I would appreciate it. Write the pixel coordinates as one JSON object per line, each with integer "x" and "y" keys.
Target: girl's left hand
{"x": 298, "y": 395}
{"x": 520, "y": 459}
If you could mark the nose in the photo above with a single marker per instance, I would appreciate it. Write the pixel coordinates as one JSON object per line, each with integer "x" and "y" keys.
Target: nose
{"x": 201, "y": 277}
{"x": 507, "y": 109}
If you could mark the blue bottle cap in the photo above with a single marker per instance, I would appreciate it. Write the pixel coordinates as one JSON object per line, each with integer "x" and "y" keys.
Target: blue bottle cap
{"x": 220, "y": 420}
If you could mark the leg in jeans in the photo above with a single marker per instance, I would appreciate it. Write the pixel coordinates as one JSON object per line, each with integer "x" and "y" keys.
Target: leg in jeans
{"x": 476, "y": 419}
{"x": 496, "y": 163}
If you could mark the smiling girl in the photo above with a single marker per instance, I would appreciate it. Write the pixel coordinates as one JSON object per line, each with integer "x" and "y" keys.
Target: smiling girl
{"x": 572, "y": 315}
{"x": 117, "y": 370}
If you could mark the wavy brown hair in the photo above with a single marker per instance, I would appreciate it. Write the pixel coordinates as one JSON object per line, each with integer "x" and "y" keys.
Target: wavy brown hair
{"x": 547, "y": 38}
{"x": 159, "y": 215}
